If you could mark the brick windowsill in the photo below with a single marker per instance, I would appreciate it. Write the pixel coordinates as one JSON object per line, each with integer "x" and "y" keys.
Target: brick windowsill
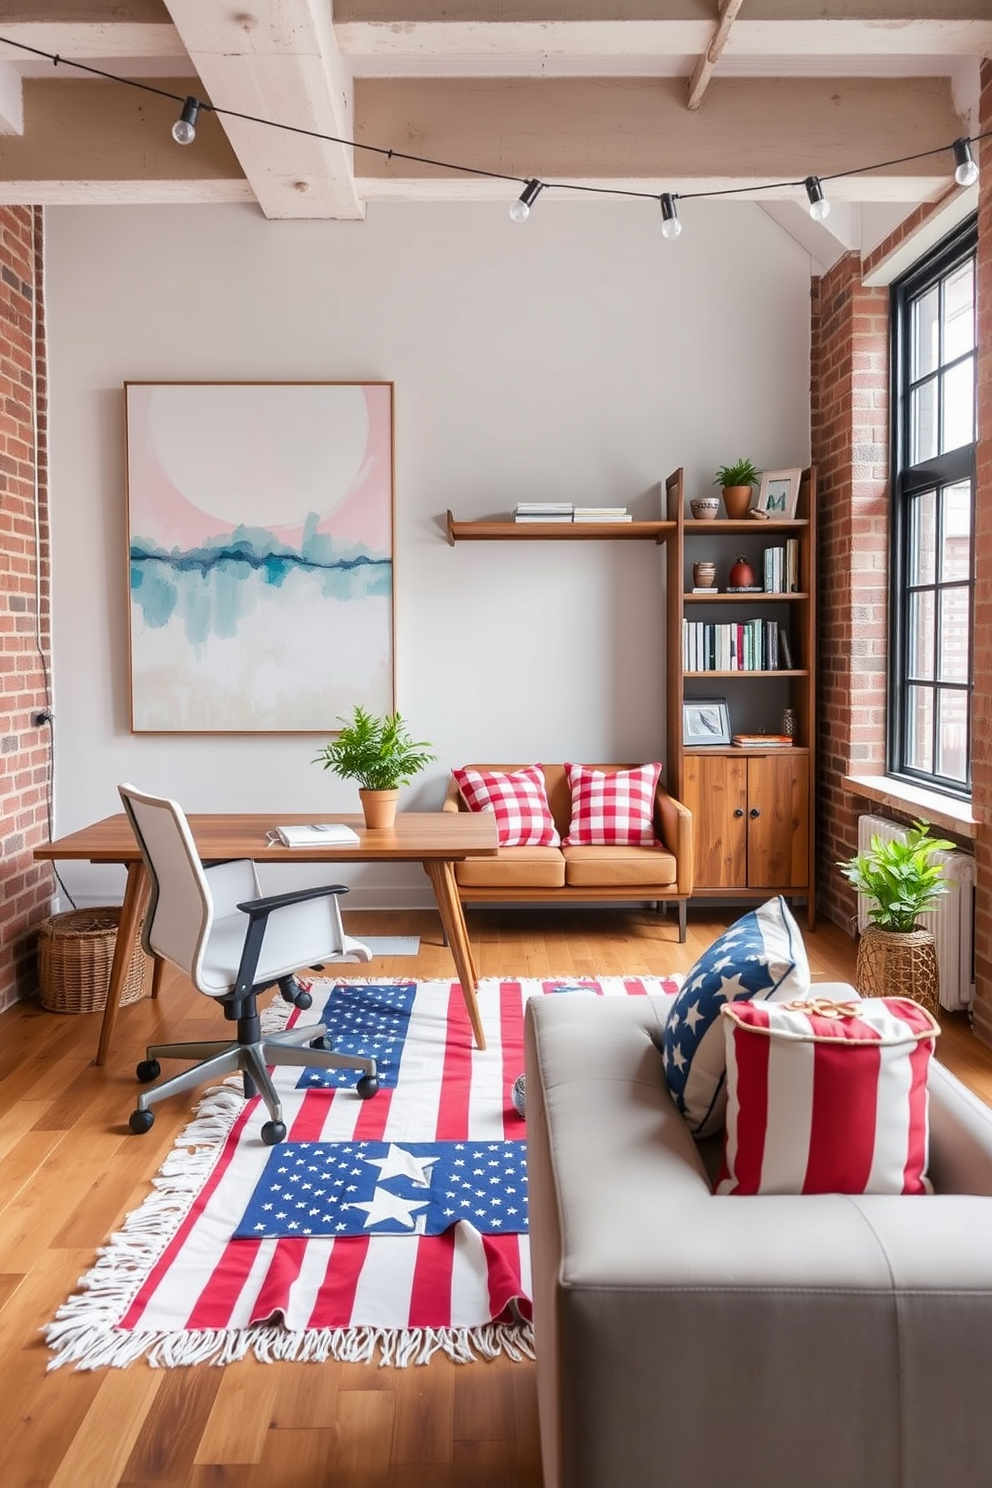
{"x": 943, "y": 811}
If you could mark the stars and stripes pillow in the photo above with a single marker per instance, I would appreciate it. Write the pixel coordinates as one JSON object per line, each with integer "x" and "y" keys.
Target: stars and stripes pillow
{"x": 519, "y": 802}
{"x": 612, "y": 808}
{"x": 827, "y": 1097}
{"x": 761, "y": 956}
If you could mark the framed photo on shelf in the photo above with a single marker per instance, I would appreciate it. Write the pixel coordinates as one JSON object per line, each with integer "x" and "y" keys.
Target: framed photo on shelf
{"x": 778, "y": 494}
{"x": 705, "y": 721}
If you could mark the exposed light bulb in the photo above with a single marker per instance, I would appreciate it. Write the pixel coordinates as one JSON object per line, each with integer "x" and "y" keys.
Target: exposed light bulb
{"x": 184, "y": 129}
{"x": 819, "y": 207}
{"x": 520, "y": 210}
{"x": 670, "y": 224}
{"x": 966, "y": 170}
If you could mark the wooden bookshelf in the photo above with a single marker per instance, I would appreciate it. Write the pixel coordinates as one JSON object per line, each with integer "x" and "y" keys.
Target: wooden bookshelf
{"x": 508, "y": 531}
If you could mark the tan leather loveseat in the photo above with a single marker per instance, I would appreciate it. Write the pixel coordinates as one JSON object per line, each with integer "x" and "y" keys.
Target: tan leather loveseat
{"x": 548, "y": 875}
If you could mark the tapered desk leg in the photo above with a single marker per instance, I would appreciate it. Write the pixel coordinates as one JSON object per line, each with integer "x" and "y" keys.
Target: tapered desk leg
{"x": 442, "y": 877}
{"x": 135, "y": 895}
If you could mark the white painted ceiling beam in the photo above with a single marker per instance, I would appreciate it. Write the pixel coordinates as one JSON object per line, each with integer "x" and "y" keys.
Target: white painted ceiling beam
{"x": 282, "y": 66}
{"x": 444, "y": 48}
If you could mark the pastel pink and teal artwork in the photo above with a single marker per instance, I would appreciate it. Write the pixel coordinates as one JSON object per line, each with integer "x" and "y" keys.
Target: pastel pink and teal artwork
{"x": 260, "y": 539}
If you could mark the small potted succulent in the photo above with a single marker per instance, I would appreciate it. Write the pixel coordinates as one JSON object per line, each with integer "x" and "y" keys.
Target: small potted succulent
{"x": 737, "y": 481}
{"x": 903, "y": 878}
{"x": 379, "y": 754}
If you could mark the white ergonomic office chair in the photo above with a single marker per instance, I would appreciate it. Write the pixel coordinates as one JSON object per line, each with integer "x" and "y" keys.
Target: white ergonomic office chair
{"x": 213, "y": 923}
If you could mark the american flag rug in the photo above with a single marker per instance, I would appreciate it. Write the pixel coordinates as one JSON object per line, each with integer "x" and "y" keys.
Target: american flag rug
{"x": 387, "y": 1229}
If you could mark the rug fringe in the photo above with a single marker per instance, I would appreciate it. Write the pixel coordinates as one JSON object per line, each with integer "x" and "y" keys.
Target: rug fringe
{"x": 101, "y": 1346}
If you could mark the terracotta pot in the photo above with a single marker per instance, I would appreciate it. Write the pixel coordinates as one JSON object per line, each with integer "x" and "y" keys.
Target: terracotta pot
{"x": 737, "y": 500}
{"x": 741, "y": 574}
{"x": 379, "y": 807}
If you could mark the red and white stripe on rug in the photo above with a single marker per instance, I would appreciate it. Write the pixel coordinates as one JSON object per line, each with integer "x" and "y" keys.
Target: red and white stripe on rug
{"x": 173, "y": 1286}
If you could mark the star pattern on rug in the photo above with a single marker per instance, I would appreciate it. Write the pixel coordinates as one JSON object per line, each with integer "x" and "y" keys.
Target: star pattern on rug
{"x": 353, "y": 1188}
{"x": 369, "y": 1020}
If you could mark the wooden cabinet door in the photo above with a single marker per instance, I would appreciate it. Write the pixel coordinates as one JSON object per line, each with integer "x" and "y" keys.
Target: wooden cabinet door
{"x": 714, "y": 787}
{"x": 778, "y": 821}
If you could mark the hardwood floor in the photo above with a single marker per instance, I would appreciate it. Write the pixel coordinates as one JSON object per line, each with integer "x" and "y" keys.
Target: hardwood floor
{"x": 70, "y": 1171}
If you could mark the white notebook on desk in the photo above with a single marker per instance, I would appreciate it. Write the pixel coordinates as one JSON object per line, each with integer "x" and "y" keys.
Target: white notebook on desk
{"x": 317, "y": 834}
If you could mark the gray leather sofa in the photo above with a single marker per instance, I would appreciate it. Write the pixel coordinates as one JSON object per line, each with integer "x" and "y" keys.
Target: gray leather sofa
{"x": 743, "y": 1342}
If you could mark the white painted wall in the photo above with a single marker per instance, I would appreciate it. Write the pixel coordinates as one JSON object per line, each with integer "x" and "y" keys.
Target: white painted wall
{"x": 578, "y": 356}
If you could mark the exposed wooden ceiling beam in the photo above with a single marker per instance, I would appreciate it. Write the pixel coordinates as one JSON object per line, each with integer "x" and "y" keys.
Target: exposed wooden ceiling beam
{"x": 705, "y": 67}
{"x": 284, "y": 68}
{"x": 619, "y": 129}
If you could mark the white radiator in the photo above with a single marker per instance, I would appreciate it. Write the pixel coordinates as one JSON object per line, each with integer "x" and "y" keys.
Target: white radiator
{"x": 952, "y": 922}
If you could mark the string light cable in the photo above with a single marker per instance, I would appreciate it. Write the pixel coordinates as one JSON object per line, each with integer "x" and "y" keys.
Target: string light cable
{"x": 184, "y": 133}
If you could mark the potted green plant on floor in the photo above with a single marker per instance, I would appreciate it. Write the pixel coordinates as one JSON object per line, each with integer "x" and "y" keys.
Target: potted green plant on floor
{"x": 737, "y": 481}
{"x": 378, "y": 753}
{"x": 903, "y": 878}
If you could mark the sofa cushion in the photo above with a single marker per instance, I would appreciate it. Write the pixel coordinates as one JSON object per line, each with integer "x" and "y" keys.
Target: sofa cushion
{"x": 614, "y": 808}
{"x": 519, "y": 802}
{"x": 612, "y": 867}
{"x": 827, "y": 1097}
{"x": 760, "y": 956}
{"x": 514, "y": 868}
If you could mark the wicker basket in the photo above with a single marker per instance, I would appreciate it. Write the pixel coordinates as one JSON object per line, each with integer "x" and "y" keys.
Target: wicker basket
{"x": 75, "y": 952}
{"x": 895, "y": 963}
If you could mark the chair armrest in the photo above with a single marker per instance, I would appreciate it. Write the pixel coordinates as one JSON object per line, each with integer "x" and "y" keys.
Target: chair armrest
{"x": 261, "y": 908}
{"x": 674, "y": 823}
{"x": 453, "y": 800}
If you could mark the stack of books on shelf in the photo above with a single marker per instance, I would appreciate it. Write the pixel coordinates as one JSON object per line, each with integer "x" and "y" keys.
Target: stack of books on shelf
{"x": 763, "y": 741}
{"x": 781, "y": 573}
{"x": 745, "y": 646}
{"x": 601, "y": 514}
{"x": 543, "y": 511}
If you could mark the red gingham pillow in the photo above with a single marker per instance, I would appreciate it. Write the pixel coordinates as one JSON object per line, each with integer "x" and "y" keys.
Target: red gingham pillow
{"x": 827, "y": 1097}
{"x": 519, "y": 801}
{"x": 612, "y": 808}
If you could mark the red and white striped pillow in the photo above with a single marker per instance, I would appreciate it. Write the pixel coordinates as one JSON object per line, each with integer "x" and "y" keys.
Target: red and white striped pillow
{"x": 519, "y": 802}
{"x": 827, "y": 1097}
{"x": 612, "y": 808}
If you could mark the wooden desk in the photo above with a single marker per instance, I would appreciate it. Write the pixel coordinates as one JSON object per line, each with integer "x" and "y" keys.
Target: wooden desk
{"x": 437, "y": 839}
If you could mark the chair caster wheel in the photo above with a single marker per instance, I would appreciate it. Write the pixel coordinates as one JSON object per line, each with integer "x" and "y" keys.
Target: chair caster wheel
{"x": 367, "y": 1086}
{"x": 273, "y": 1132}
{"x": 303, "y": 1000}
{"x": 141, "y": 1121}
{"x": 148, "y": 1070}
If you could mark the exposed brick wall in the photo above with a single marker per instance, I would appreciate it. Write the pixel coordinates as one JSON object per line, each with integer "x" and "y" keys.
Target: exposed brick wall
{"x": 849, "y": 406}
{"x": 25, "y": 634}
{"x": 982, "y": 714}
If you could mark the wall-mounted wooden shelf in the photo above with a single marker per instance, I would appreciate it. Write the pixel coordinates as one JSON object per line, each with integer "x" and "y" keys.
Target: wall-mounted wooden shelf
{"x": 657, "y": 532}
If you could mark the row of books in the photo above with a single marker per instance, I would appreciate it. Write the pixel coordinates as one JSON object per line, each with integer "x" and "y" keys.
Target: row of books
{"x": 781, "y": 568}
{"x": 564, "y": 511}
{"x": 748, "y": 646}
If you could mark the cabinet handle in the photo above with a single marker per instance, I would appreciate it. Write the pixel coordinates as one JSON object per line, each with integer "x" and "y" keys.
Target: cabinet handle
{"x": 739, "y": 811}
{"x": 755, "y": 811}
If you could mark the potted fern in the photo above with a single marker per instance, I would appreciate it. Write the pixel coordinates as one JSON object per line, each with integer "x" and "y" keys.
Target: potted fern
{"x": 378, "y": 753}
{"x": 903, "y": 878}
{"x": 737, "y": 480}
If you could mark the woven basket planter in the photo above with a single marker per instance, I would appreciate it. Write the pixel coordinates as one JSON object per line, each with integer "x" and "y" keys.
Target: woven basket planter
{"x": 899, "y": 963}
{"x": 75, "y": 952}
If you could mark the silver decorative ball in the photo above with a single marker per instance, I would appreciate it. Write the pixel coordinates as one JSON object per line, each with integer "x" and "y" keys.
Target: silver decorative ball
{"x": 518, "y": 1096}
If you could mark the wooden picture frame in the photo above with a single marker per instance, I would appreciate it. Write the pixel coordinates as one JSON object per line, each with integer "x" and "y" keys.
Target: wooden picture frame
{"x": 705, "y": 722}
{"x": 260, "y": 554}
{"x": 778, "y": 494}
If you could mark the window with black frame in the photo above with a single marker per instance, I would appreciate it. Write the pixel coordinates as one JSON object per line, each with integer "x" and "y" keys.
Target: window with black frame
{"x": 934, "y": 434}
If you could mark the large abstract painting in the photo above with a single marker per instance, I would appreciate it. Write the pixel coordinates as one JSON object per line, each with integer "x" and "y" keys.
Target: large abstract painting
{"x": 260, "y": 541}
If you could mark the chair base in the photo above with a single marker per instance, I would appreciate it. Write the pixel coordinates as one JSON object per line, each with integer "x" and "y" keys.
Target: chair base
{"x": 217, "y": 1059}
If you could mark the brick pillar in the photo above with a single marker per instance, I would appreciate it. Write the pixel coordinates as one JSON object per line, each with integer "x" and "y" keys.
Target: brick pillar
{"x": 981, "y": 732}
{"x": 25, "y": 624}
{"x": 849, "y": 444}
